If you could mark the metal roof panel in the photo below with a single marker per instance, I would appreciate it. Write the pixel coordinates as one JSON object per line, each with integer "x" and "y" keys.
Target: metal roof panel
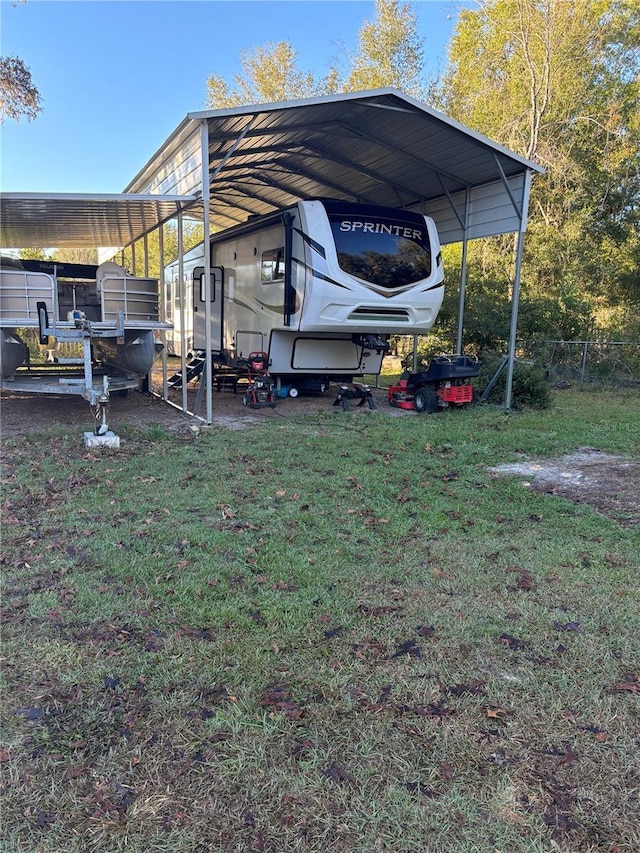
{"x": 379, "y": 147}
{"x": 32, "y": 220}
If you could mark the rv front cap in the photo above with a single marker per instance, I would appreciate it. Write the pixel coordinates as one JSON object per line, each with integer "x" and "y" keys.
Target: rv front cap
{"x": 380, "y": 228}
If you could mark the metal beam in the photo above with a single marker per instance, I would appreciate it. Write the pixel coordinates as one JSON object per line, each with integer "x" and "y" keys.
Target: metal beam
{"x": 520, "y": 210}
{"x": 229, "y": 153}
{"x": 395, "y": 148}
{"x": 271, "y": 131}
{"x": 461, "y": 221}
{"x": 249, "y": 193}
{"x": 288, "y": 166}
{"x": 515, "y": 297}
{"x": 266, "y": 178}
{"x": 463, "y": 275}
{"x": 357, "y": 167}
{"x": 219, "y": 201}
{"x": 206, "y": 198}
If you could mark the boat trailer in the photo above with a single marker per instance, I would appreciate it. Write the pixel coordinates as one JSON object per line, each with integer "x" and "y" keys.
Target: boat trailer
{"x": 74, "y": 375}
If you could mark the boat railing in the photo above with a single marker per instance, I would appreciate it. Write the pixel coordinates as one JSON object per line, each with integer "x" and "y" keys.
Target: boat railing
{"x": 20, "y": 293}
{"x": 136, "y": 298}
{"x": 104, "y": 303}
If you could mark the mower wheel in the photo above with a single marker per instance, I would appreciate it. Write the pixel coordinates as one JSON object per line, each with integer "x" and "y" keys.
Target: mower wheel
{"x": 426, "y": 400}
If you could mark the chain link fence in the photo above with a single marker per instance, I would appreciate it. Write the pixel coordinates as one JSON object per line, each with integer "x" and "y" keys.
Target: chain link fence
{"x": 587, "y": 361}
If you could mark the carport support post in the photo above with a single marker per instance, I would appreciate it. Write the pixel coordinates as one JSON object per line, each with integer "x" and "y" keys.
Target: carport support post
{"x": 181, "y": 299}
{"x": 515, "y": 298}
{"x": 163, "y": 311}
{"x": 463, "y": 274}
{"x": 206, "y": 227}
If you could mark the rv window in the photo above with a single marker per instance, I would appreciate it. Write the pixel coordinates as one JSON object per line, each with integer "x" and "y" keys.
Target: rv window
{"x": 387, "y": 248}
{"x": 272, "y": 266}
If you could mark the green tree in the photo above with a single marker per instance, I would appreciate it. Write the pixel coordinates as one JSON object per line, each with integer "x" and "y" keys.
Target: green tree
{"x": 75, "y": 256}
{"x": 559, "y": 82}
{"x": 18, "y": 96}
{"x": 193, "y": 234}
{"x": 390, "y": 52}
{"x": 33, "y": 255}
{"x": 269, "y": 73}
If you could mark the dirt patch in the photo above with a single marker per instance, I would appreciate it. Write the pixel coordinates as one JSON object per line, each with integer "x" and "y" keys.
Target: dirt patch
{"x": 610, "y": 484}
{"x": 24, "y": 414}
{"x": 28, "y": 414}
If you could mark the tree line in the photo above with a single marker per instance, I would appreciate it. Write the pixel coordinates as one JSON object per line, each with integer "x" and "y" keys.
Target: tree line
{"x": 557, "y": 82}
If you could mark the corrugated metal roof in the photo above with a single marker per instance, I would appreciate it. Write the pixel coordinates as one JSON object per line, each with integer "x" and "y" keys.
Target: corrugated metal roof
{"x": 380, "y": 147}
{"x": 32, "y": 220}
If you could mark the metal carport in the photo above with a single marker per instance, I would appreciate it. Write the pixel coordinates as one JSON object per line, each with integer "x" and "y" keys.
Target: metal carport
{"x": 379, "y": 147}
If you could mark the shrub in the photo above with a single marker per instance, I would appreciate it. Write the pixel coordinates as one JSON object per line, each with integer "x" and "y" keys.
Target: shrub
{"x": 530, "y": 386}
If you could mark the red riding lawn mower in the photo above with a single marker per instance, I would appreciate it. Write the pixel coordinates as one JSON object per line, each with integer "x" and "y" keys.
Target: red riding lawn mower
{"x": 446, "y": 382}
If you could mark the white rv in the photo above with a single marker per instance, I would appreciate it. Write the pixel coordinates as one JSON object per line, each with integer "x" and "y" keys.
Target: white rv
{"x": 319, "y": 287}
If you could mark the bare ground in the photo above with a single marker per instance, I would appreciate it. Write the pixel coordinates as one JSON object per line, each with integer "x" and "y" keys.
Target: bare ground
{"x": 610, "y": 484}
{"x": 22, "y": 414}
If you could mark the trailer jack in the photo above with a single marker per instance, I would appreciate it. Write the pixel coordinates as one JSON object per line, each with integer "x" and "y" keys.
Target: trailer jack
{"x": 354, "y": 392}
{"x": 99, "y": 407}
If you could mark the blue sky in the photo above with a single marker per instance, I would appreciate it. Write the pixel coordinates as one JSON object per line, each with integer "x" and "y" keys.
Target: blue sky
{"x": 116, "y": 78}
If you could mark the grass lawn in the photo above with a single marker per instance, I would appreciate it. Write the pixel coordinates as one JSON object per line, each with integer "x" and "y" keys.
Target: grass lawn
{"x": 334, "y": 632}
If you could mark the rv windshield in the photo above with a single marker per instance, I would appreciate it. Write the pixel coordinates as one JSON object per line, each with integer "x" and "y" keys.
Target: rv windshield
{"x": 389, "y": 248}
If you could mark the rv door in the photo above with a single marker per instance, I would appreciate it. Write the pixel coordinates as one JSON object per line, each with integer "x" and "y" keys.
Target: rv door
{"x": 199, "y": 308}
